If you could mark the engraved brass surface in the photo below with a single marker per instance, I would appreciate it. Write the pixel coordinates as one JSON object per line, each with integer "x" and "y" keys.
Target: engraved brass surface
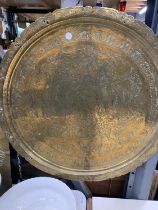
{"x": 80, "y": 93}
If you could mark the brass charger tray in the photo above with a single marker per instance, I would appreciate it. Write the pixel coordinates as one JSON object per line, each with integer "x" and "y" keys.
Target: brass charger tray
{"x": 79, "y": 96}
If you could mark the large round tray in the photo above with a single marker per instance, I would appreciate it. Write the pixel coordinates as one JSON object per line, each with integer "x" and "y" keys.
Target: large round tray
{"x": 79, "y": 93}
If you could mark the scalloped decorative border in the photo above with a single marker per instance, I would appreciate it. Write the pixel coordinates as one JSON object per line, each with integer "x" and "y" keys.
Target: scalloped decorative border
{"x": 57, "y": 16}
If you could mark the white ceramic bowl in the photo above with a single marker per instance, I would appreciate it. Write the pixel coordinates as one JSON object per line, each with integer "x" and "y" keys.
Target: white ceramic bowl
{"x": 41, "y": 193}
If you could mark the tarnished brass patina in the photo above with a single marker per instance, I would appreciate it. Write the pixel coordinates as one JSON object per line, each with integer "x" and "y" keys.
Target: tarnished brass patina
{"x": 80, "y": 93}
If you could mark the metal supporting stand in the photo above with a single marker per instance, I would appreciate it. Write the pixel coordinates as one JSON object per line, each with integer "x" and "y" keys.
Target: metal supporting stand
{"x": 140, "y": 180}
{"x": 81, "y": 186}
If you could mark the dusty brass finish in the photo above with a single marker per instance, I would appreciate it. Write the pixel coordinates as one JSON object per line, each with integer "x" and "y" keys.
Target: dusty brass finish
{"x": 80, "y": 93}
